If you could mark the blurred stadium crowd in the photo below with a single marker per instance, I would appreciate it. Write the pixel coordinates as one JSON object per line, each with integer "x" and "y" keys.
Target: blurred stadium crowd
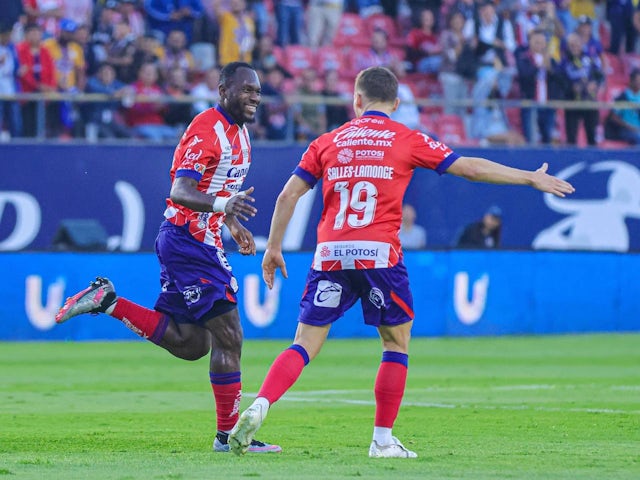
{"x": 471, "y": 72}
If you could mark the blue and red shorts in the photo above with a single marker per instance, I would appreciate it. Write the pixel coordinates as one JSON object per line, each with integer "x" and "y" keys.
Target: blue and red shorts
{"x": 196, "y": 279}
{"x": 383, "y": 292}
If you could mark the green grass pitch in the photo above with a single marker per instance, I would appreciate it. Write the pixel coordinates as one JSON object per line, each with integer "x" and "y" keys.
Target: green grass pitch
{"x": 556, "y": 407}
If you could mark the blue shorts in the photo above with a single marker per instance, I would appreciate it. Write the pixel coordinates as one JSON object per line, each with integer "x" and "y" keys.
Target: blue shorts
{"x": 196, "y": 279}
{"x": 384, "y": 293}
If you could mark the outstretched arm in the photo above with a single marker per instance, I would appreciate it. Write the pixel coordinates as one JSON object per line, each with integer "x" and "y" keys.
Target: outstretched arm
{"x": 285, "y": 205}
{"x": 482, "y": 170}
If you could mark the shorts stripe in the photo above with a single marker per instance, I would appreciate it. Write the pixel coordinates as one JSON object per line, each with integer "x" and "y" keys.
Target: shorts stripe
{"x": 401, "y": 303}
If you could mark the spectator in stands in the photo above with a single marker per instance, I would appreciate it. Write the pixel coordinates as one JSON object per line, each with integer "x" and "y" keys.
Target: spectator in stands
{"x": 94, "y": 53}
{"x": 105, "y": 17}
{"x": 583, "y": 77}
{"x": 495, "y": 46}
{"x": 336, "y": 114}
{"x": 636, "y": 27}
{"x": 261, "y": 17}
{"x": 590, "y": 44}
{"x": 366, "y": 8}
{"x": 128, "y": 9}
{"x": 237, "y": 32}
{"x": 176, "y": 54}
{"x": 423, "y": 45}
{"x": 309, "y": 115}
{"x": 9, "y": 110}
{"x": 407, "y": 111}
{"x": 36, "y": 74}
{"x": 46, "y": 13}
{"x": 146, "y": 119}
{"x": 323, "y": 18}
{"x": 13, "y": 12}
{"x": 80, "y": 11}
{"x": 70, "y": 67}
{"x": 455, "y": 62}
{"x": 540, "y": 79}
{"x": 264, "y": 57}
{"x": 180, "y": 113}
{"x": 121, "y": 51}
{"x": 167, "y": 15}
{"x": 206, "y": 91}
{"x": 484, "y": 233}
{"x": 468, "y": 8}
{"x": 149, "y": 49}
{"x": 273, "y": 116}
{"x": 290, "y": 21}
{"x": 620, "y": 18}
{"x": 540, "y": 15}
{"x": 624, "y": 124}
{"x": 412, "y": 236}
{"x": 104, "y": 119}
{"x": 379, "y": 55}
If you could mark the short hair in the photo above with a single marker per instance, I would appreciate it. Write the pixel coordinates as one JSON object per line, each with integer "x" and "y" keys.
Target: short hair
{"x": 378, "y": 83}
{"x": 229, "y": 71}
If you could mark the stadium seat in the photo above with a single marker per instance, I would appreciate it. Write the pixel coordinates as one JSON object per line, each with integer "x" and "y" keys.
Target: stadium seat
{"x": 349, "y": 68}
{"x": 614, "y": 65}
{"x": 298, "y": 58}
{"x": 631, "y": 62}
{"x": 351, "y": 31}
{"x": 450, "y": 130}
{"x": 613, "y": 89}
{"x": 385, "y": 23}
{"x": 613, "y": 145}
{"x": 204, "y": 54}
{"x": 604, "y": 30}
{"x": 328, "y": 58}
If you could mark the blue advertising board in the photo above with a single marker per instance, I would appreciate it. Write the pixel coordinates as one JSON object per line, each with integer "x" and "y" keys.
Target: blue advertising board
{"x": 456, "y": 293}
{"x": 124, "y": 189}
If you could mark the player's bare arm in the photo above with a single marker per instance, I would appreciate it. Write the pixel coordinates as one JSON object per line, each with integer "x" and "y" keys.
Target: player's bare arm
{"x": 285, "y": 205}
{"x": 242, "y": 236}
{"x": 482, "y": 170}
{"x": 185, "y": 192}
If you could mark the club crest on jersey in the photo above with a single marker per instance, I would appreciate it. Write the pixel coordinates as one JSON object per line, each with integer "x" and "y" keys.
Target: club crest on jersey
{"x": 192, "y": 294}
{"x": 328, "y": 294}
{"x": 345, "y": 155}
{"x": 376, "y": 297}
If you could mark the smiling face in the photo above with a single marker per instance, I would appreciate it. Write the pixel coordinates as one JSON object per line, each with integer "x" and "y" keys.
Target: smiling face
{"x": 240, "y": 97}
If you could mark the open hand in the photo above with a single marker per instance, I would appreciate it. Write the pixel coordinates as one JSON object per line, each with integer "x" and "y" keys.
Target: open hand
{"x": 240, "y": 205}
{"x": 550, "y": 184}
{"x": 270, "y": 262}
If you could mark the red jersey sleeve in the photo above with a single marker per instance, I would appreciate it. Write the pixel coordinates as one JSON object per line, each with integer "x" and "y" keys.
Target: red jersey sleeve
{"x": 310, "y": 167}
{"x": 430, "y": 153}
{"x": 196, "y": 150}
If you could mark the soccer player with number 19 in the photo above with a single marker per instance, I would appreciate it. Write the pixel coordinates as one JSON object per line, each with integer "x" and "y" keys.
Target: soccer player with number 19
{"x": 365, "y": 166}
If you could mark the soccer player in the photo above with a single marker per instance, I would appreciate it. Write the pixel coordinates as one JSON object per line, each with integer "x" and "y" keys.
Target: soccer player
{"x": 196, "y": 311}
{"x": 365, "y": 167}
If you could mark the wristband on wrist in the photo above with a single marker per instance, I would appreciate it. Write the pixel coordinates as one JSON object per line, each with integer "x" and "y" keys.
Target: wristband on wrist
{"x": 220, "y": 203}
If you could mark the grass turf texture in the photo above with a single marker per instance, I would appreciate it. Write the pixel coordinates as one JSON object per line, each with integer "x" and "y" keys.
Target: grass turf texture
{"x": 561, "y": 407}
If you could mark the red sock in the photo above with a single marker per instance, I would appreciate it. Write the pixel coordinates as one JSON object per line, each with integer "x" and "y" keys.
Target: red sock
{"x": 227, "y": 391}
{"x": 389, "y": 388}
{"x": 145, "y": 322}
{"x": 283, "y": 373}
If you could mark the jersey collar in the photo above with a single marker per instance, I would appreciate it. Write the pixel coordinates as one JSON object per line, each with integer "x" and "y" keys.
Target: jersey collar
{"x": 375, "y": 113}
{"x": 225, "y": 114}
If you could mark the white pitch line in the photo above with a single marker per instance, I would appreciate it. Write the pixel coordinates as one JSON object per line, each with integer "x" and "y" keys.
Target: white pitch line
{"x": 333, "y": 396}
